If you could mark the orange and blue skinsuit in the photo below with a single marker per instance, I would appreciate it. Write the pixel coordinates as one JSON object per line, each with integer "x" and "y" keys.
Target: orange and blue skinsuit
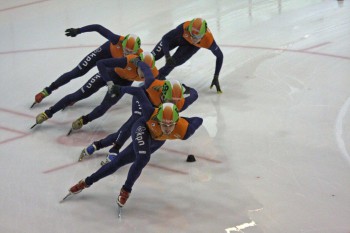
{"x": 147, "y": 138}
{"x": 120, "y": 71}
{"x": 153, "y": 88}
{"x": 180, "y": 38}
{"x": 110, "y": 49}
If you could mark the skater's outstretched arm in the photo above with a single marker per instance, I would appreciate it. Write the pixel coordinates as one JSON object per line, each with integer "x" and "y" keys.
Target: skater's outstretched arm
{"x": 215, "y": 49}
{"x": 147, "y": 74}
{"x": 94, "y": 28}
{"x": 104, "y": 64}
{"x": 192, "y": 96}
{"x": 193, "y": 124}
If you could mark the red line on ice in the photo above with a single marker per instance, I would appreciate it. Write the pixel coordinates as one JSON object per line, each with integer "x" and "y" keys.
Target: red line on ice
{"x": 29, "y": 116}
{"x": 23, "y": 5}
{"x": 13, "y": 130}
{"x": 315, "y": 46}
{"x": 12, "y": 139}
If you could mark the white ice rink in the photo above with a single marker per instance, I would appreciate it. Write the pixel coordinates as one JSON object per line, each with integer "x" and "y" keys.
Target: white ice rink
{"x": 273, "y": 154}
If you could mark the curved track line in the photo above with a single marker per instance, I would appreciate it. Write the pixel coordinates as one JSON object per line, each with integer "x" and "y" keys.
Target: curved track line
{"x": 339, "y": 129}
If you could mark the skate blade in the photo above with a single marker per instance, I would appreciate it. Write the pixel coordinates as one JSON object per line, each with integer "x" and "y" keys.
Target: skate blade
{"x": 33, "y": 104}
{"x": 33, "y": 126}
{"x": 69, "y": 194}
{"x": 81, "y": 157}
{"x": 70, "y": 131}
{"x": 119, "y": 212}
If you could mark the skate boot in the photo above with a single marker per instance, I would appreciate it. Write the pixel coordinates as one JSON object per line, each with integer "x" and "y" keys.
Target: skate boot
{"x": 41, "y": 95}
{"x": 122, "y": 198}
{"x": 109, "y": 158}
{"x": 113, "y": 152}
{"x": 78, "y": 187}
{"x": 78, "y": 123}
{"x": 41, "y": 118}
{"x": 88, "y": 151}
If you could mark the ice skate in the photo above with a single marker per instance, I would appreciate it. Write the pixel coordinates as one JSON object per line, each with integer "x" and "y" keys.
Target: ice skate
{"x": 40, "y": 119}
{"x": 69, "y": 132}
{"x": 69, "y": 194}
{"x": 122, "y": 198}
{"x": 86, "y": 152}
{"x": 77, "y": 124}
{"x": 40, "y": 96}
{"x": 75, "y": 189}
{"x": 113, "y": 152}
{"x": 33, "y": 104}
{"x": 109, "y": 158}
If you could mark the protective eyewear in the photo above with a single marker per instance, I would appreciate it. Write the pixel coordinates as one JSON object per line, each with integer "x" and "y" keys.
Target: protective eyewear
{"x": 128, "y": 51}
{"x": 197, "y": 37}
{"x": 167, "y": 124}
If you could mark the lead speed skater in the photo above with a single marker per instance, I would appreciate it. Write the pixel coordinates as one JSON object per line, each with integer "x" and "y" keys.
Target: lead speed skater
{"x": 188, "y": 38}
{"x": 148, "y": 133}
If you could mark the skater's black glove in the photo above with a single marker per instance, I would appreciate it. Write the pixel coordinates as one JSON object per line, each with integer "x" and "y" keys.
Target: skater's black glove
{"x": 113, "y": 90}
{"x": 170, "y": 61}
{"x": 135, "y": 61}
{"x": 72, "y": 32}
{"x": 215, "y": 83}
{"x": 187, "y": 89}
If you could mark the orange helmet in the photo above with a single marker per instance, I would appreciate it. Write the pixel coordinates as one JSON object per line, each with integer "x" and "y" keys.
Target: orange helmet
{"x": 168, "y": 113}
{"x": 168, "y": 116}
{"x": 148, "y": 58}
{"x": 197, "y": 28}
{"x": 172, "y": 91}
{"x": 131, "y": 44}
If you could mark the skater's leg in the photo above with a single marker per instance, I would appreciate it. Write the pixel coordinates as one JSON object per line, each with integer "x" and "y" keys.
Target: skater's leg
{"x": 141, "y": 140}
{"x": 107, "y": 102}
{"x": 89, "y": 88}
{"x": 82, "y": 68}
{"x": 124, "y": 157}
